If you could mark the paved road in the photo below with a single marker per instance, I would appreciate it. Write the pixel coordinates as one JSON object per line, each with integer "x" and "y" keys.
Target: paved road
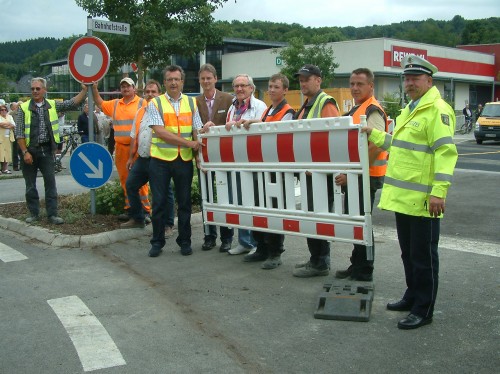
{"x": 212, "y": 313}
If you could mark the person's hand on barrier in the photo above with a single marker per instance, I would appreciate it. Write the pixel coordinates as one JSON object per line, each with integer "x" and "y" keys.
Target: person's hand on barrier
{"x": 367, "y": 130}
{"x": 229, "y": 125}
{"x": 341, "y": 180}
{"x": 206, "y": 127}
{"x": 195, "y": 145}
{"x": 436, "y": 206}
{"x": 247, "y": 122}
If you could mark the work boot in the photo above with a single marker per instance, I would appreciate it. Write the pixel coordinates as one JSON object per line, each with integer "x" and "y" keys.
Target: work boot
{"x": 133, "y": 224}
{"x": 310, "y": 271}
{"x": 342, "y": 274}
{"x": 56, "y": 220}
{"x": 271, "y": 263}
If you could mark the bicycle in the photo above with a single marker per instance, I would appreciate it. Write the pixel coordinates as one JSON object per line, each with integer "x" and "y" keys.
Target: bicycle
{"x": 466, "y": 127}
{"x": 71, "y": 140}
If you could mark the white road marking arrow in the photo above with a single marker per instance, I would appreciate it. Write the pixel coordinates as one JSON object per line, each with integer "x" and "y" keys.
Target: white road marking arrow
{"x": 96, "y": 172}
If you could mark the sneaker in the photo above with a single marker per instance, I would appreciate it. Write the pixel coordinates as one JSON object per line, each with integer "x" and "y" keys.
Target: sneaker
{"x": 186, "y": 251}
{"x": 32, "y": 219}
{"x": 56, "y": 220}
{"x": 147, "y": 219}
{"x": 224, "y": 247}
{"x": 124, "y": 217}
{"x": 271, "y": 263}
{"x": 310, "y": 271}
{"x": 169, "y": 231}
{"x": 302, "y": 264}
{"x": 239, "y": 250}
{"x": 342, "y": 274}
{"x": 254, "y": 257}
{"x": 154, "y": 252}
{"x": 132, "y": 224}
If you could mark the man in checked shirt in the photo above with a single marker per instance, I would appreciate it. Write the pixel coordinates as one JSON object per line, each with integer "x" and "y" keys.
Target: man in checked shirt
{"x": 37, "y": 134}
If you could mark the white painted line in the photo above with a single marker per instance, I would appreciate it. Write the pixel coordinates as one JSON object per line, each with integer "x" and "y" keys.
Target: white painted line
{"x": 449, "y": 242}
{"x": 8, "y": 254}
{"x": 92, "y": 342}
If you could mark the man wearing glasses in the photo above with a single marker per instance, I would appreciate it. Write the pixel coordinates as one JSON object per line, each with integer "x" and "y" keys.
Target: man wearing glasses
{"x": 37, "y": 134}
{"x": 174, "y": 119}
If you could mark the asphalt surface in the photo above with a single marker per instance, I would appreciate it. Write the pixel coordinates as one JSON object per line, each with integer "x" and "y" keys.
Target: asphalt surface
{"x": 227, "y": 316}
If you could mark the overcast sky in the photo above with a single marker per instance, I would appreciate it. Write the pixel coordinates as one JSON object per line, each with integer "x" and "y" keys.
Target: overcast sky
{"x": 27, "y": 19}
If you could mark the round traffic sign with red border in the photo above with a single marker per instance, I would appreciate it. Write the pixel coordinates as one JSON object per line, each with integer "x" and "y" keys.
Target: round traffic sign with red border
{"x": 88, "y": 59}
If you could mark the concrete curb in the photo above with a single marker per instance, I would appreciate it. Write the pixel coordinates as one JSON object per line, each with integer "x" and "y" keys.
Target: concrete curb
{"x": 55, "y": 239}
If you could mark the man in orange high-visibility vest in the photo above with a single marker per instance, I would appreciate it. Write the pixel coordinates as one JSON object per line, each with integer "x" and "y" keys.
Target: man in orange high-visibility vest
{"x": 122, "y": 112}
{"x": 361, "y": 83}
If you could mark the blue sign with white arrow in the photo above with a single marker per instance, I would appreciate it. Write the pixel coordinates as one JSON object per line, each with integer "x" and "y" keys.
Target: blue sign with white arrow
{"x": 91, "y": 165}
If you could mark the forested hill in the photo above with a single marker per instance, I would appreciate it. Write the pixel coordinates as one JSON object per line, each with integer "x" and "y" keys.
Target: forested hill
{"x": 16, "y": 52}
{"x": 445, "y": 33}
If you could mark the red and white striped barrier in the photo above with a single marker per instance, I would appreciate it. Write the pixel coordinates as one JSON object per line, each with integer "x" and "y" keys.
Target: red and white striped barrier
{"x": 279, "y": 177}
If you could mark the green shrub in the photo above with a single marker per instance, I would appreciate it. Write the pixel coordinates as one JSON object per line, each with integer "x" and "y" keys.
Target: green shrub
{"x": 109, "y": 199}
{"x": 195, "y": 192}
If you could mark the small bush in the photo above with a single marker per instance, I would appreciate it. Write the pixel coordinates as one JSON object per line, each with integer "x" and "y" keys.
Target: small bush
{"x": 109, "y": 199}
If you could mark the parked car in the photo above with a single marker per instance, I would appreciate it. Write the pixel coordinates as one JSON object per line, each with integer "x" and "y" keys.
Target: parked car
{"x": 488, "y": 123}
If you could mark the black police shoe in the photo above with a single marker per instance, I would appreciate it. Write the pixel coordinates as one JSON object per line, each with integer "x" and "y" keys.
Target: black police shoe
{"x": 402, "y": 305}
{"x": 412, "y": 321}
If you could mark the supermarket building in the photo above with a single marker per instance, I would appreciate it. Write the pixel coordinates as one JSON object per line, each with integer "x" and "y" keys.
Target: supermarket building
{"x": 464, "y": 77}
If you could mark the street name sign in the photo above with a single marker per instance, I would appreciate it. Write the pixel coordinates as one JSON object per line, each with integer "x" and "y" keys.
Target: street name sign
{"x": 108, "y": 26}
{"x": 91, "y": 165}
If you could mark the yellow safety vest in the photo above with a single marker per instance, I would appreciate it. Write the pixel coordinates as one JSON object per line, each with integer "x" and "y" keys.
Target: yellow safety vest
{"x": 180, "y": 125}
{"x": 319, "y": 103}
{"x": 54, "y": 120}
{"x": 422, "y": 156}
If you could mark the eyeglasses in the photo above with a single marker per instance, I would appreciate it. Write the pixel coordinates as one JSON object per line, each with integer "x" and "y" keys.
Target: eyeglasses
{"x": 173, "y": 79}
{"x": 3, "y": 110}
{"x": 236, "y": 86}
{"x": 36, "y": 88}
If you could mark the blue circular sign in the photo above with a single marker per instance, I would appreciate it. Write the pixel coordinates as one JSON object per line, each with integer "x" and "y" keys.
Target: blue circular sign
{"x": 91, "y": 165}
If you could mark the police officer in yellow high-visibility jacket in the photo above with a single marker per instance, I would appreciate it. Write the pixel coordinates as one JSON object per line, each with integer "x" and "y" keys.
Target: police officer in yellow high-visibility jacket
{"x": 175, "y": 119}
{"x": 422, "y": 157}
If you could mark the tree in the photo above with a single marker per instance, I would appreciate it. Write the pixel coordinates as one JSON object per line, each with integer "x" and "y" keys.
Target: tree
{"x": 158, "y": 29}
{"x": 297, "y": 54}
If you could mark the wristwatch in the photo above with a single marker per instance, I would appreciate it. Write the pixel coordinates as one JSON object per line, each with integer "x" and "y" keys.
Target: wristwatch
{"x": 24, "y": 152}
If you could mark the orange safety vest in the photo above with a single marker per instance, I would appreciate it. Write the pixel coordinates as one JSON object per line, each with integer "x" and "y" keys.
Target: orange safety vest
{"x": 380, "y": 165}
{"x": 282, "y": 109}
{"x": 123, "y": 117}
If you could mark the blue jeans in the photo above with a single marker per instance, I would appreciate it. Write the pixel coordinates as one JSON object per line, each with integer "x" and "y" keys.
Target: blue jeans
{"x": 160, "y": 174}
{"x": 245, "y": 238}
{"x": 43, "y": 160}
{"x": 138, "y": 176}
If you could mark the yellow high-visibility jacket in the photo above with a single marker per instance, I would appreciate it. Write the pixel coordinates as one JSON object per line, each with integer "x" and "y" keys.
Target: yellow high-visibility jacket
{"x": 422, "y": 156}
